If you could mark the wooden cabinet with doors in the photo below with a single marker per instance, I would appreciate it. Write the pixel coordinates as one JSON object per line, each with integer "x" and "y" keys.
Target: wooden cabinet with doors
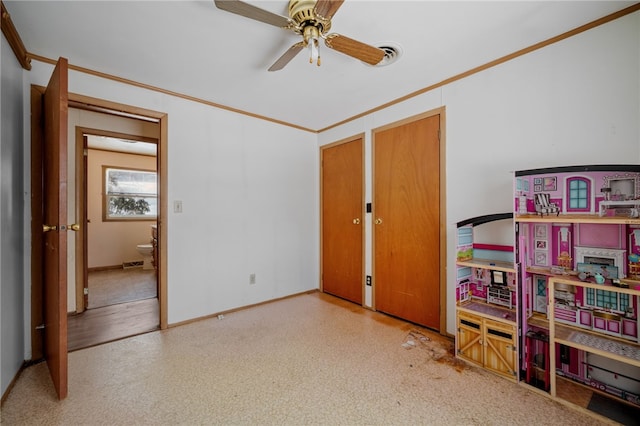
{"x": 487, "y": 342}
{"x": 469, "y": 337}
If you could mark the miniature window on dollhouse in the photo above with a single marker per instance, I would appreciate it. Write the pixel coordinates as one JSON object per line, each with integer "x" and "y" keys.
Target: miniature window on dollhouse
{"x": 607, "y": 299}
{"x": 579, "y": 190}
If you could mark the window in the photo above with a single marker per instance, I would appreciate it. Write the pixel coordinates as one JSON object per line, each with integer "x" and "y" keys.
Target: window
{"x": 607, "y": 299}
{"x": 130, "y": 194}
{"x": 578, "y": 194}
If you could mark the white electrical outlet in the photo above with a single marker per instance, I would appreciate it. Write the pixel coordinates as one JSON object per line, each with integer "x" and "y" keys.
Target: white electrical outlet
{"x": 252, "y": 278}
{"x": 177, "y": 206}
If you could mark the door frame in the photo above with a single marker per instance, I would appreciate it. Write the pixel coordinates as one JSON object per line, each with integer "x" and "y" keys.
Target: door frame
{"x": 82, "y": 261}
{"x": 37, "y": 220}
{"x": 362, "y": 209}
{"x": 99, "y": 105}
{"x": 441, "y": 111}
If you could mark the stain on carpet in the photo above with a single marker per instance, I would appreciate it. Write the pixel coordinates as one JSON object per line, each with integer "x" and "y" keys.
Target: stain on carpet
{"x": 438, "y": 348}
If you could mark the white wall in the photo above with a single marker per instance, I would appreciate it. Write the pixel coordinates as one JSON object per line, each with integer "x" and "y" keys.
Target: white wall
{"x": 12, "y": 219}
{"x": 249, "y": 190}
{"x": 574, "y": 102}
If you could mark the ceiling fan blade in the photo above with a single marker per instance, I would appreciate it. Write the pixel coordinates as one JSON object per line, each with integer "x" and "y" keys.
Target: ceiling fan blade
{"x": 327, "y": 8}
{"x": 249, "y": 11}
{"x": 287, "y": 57}
{"x": 364, "y": 52}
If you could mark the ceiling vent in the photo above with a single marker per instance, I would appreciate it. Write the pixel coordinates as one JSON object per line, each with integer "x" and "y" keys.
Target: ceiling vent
{"x": 392, "y": 52}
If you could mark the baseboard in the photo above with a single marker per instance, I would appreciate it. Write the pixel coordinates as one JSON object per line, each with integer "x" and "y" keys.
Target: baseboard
{"x": 205, "y": 317}
{"x": 13, "y": 382}
{"x": 104, "y": 268}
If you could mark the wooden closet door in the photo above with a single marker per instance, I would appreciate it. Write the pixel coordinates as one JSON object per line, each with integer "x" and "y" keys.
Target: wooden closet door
{"x": 406, "y": 214}
{"x": 343, "y": 220}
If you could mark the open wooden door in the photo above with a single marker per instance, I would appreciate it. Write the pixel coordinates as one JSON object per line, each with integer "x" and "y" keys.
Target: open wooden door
{"x": 55, "y": 226}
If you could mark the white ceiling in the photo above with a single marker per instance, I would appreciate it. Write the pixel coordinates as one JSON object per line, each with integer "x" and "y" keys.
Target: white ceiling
{"x": 122, "y": 145}
{"x": 195, "y": 49}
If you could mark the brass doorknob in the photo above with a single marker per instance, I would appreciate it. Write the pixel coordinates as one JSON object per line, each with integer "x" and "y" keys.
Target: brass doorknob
{"x": 356, "y": 221}
{"x": 378, "y": 221}
{"x": 47, "y": 228}
{"x": 73, "y": 227}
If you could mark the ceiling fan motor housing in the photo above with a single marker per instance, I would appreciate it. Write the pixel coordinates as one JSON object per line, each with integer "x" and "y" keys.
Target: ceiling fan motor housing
{"x": 302, "y": 12}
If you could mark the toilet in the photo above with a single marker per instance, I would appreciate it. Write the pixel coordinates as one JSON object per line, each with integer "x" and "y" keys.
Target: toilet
{"x": 146, "y": 250}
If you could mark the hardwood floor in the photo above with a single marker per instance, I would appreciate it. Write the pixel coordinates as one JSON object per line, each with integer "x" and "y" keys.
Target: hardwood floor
{"x": 122, "y": 303}
{"x": 102, "y": 325}
{"x": 115, "y": 286}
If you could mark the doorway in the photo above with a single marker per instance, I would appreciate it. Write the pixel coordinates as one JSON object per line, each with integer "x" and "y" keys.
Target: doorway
{"x": 83, "y": 105}
{"x": 117, "y": 195}
{"x": 121, "y": 203}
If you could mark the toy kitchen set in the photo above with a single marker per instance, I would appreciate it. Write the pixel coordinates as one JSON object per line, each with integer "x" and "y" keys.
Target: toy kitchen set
{"x": 559, "y": 307}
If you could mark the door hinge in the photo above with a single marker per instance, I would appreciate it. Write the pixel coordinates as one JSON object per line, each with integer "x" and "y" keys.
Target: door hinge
{"x": 40, "y": 327}
{"x": 86, "y": 291}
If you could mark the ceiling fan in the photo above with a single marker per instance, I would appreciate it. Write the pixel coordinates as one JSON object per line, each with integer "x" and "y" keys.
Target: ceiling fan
{"x": 312, "y": 20}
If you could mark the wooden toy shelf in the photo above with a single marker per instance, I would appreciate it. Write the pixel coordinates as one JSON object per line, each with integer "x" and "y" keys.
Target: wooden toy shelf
{"x": 598, "y": 344}
{"x": 576, "y": 218}
{"x": 590, "y": 340}
{"x": 484, "y": 309}
{"x": 486, "y": 320}
{"x": 487, "y": 337}
{"x": 496, "y": 265}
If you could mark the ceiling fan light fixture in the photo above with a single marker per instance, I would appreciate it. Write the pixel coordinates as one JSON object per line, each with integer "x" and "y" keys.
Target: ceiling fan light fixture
{"x": 311, "y": 37}
{"x": 312, "y": 20}
{"x": 314, "y": 51}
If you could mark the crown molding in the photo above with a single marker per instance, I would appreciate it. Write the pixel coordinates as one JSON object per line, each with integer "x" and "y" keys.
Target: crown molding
{"x": 12, "y": 36}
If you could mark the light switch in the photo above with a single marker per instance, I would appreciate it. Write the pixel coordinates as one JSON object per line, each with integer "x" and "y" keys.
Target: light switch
{"x": 177, "y": 206}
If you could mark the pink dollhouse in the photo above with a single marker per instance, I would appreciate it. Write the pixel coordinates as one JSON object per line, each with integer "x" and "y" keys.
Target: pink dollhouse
{"x": 589, "y": 235}
{"x": 568, "y": 287}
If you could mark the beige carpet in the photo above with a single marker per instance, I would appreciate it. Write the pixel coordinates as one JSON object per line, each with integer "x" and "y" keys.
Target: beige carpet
{"x": 115, "y": 286}
{"x": 310, "y": 359}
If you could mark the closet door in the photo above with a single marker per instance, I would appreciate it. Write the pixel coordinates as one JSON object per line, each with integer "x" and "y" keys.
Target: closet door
{"x": 343, "y": 219}
{"x": 406, "y": 215}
